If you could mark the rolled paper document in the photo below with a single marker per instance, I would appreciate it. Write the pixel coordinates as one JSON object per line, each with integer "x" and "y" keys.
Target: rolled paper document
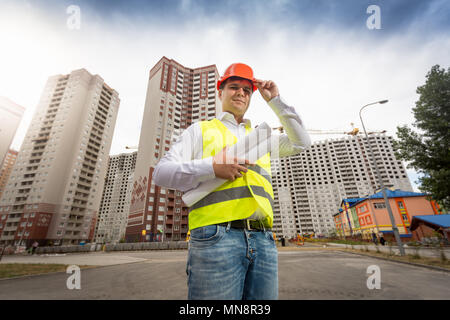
{"x": 252, "y": 147}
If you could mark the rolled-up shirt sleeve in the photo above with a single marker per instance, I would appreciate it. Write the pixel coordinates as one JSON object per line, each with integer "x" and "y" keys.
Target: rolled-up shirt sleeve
{"x": 181, "y": 167}
{"x": 296, "y": 139}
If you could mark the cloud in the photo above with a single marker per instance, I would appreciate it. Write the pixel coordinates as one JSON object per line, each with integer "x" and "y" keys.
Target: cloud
{"x": 325, "y": 61}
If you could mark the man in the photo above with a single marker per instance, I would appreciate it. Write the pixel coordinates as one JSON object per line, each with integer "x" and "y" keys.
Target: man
{"x": 382, "y": 241}
{"x": 374, "y": 238}
{"x": 35, "y": 245}
{"x": 232, "y": 253}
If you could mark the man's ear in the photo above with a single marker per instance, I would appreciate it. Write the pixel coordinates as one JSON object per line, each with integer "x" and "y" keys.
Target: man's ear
{"x": 220, "y": 94}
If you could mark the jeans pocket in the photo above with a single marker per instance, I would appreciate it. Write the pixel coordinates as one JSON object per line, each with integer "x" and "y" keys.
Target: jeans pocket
{"x": 206, "y": 236}
{"x": 269, "y": 235}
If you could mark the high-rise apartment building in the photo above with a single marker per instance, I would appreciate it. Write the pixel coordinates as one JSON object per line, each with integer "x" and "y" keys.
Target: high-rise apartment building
{"x": 6, "y": 168}
{"x": 10, "y": 117}
{"x": 309, "y": 187}
{"x": 177, "y": 96}
{"x": 113, "y": 213}
{"x": 54, "y": 191}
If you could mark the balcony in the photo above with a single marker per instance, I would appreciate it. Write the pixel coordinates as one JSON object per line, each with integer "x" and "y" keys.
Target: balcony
{"x": 88, "y": 169}
{"x": 83, "y": 185}
{"x": 81, "y": 196}
{"x": 79, "y": 202}
{"x": 74, "y": 227}
{"x": 85, "y": 175}
{"x": 20, "y": 201}
{"x": 73, "y": 218}
{"x": 35, "y": 157}
{"x": 103, "y": 98}
{"x": 78, "y": 209}
{"x": 85, "y": 181}
{"x": 23, "y": 190}
{"x": 12, "y": 228}
{"x": 91, "y": 157}
{"x": 168, "y": 230}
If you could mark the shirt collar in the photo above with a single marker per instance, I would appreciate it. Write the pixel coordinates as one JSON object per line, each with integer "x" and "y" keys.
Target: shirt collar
{"x": 227, "y": 116}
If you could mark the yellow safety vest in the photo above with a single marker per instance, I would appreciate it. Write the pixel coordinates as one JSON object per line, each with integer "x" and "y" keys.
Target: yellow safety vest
{"x": 238, "y": 199}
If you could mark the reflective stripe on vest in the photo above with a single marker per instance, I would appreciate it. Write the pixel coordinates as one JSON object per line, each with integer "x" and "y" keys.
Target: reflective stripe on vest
{"x": 261, "y": 171}
{"x": 232, "y": 194}
{"x": 237, "y": 199}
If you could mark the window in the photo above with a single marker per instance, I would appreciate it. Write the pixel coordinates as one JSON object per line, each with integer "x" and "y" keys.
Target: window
{"x": 379, "y": 205}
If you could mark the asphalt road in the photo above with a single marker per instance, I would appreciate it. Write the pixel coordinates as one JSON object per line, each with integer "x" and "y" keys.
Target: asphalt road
{"x": 311, "y": 273}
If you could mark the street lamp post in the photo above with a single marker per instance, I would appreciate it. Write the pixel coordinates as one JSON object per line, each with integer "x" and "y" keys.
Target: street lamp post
{"x": 380, "y": 181}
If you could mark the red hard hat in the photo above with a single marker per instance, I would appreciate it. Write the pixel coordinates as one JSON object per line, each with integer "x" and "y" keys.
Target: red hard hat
{"x": 238, "y": 70}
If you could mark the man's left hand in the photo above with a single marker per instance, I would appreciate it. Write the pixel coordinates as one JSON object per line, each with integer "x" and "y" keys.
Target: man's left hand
{"x": 267, "y": 88}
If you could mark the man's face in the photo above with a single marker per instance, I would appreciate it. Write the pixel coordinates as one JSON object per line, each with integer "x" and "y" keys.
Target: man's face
{"x": 235, "y": 96}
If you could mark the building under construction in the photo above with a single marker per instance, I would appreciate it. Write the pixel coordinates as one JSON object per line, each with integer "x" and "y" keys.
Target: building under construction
{"x": 309, "y": 186}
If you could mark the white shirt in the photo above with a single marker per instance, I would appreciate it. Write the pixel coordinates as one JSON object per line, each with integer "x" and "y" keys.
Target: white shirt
{"x": 183, "y": 168}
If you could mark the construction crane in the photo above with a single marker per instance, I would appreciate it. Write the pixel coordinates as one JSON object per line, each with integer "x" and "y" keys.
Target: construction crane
{"x": 353, "y": 132}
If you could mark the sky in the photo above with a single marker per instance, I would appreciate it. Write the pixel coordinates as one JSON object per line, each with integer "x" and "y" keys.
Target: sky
{"x": 326, "y": 57}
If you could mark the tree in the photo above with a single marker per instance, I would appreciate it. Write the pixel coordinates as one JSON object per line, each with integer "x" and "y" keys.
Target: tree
{"x": 428, "y": 151}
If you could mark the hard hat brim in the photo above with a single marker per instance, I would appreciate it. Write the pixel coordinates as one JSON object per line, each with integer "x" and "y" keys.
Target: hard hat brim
{"x": 219, "y": 82}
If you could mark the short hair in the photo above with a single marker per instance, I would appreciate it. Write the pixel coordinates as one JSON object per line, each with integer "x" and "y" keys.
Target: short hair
{"x": 222, "y": 85}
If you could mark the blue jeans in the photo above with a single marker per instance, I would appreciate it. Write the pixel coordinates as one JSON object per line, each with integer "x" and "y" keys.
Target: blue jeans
{"x": 232, "y": 264}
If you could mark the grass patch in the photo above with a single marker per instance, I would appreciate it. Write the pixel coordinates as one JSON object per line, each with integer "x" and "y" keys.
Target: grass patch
{"x": 10, "y": 270}
{"x": 437, "y": 262}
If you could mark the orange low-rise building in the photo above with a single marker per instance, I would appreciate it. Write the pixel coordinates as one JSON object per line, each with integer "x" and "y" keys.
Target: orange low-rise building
{"x": 364, "y": 216}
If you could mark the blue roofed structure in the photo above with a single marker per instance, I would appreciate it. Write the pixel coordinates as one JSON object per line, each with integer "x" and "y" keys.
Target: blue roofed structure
{"x": 397, "y": 194}
{"x": 379, "y": 195}
{"x": 439, "y": 220}
{"x": 421, "y": 226}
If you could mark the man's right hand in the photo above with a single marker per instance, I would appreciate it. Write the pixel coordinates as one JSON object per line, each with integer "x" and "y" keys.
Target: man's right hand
{"x": 228, "y": 168}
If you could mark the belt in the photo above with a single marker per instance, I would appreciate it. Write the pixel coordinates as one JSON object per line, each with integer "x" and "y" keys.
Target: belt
{"x": 247, "y": 224}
